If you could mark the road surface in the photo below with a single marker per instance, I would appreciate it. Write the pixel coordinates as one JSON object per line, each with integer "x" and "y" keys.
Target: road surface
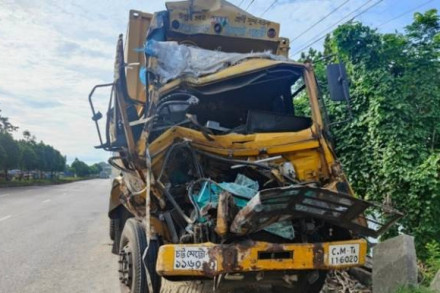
{"x": 55, "y": 239}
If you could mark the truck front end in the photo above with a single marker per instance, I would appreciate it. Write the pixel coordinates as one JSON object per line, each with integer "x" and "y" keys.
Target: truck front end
{"x": 225, "y": 159}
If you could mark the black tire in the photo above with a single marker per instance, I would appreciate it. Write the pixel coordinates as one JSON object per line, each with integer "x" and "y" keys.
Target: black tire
{"x": 131, "y": 268}
{"x": 112, "y": 228}
{"x": 307, "y": 282}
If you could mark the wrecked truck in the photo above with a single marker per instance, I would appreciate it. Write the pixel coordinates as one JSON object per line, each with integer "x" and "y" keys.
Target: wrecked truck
{"x": 224, "y": 177}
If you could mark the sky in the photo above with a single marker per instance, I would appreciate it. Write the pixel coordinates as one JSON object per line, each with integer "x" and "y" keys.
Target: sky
{"x": 53, "y": 52}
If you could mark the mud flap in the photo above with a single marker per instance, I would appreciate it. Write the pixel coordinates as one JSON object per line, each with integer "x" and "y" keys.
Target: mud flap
{"x": 278, "y": 204}
{"x": 149, "y": 260}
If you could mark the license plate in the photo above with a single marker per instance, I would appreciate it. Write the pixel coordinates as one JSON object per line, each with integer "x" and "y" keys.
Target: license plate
{"x": 347, "y": 254}
{"x": 193, "y": 258}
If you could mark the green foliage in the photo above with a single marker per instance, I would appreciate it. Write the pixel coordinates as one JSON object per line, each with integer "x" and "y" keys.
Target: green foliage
{"x": 2, "y": 155}
{"x": 432, "y": 263}
{"x": 10, "y": 148}
{"x": 40, "y": 182}
{"x": 26, "y": 154}
{"x": 391, "y": 149}
{"x": 95, "y": 168}
{"x": 80, "y": 168}
{"x": 6, "y": 126}
{"x": 414, "y": 290}
{"x": 29, "y": 160}
{"x": 28, "y": 137}
{"x": 301, "y": 105}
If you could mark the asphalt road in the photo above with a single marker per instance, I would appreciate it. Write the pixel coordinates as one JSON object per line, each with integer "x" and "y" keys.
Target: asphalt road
{"x": 55, "y": 239}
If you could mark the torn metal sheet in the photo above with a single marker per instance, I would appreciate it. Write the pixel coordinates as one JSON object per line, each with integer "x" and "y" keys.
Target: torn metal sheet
{"x": 241, "y": 191}
{"x": 273, "y": 205}
{"x": 176, "y": 60}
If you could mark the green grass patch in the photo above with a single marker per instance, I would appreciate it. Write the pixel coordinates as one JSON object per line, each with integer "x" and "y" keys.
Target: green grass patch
{"x": 40, "y": 182}
{"x": 419, "y": 289}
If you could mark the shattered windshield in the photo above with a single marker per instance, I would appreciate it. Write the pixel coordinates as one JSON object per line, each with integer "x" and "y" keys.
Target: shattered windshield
{"x": 259, "y": 102}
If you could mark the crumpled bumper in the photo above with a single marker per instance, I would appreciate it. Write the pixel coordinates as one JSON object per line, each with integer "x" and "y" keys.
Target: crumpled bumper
{"x": 209, "y": 259}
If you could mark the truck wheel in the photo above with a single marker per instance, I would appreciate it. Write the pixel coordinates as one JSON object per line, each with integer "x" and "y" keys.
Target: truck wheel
{"x": 310, "y": 282}
{"x": 131, "y": 269}
{"x": 112, "y": 228}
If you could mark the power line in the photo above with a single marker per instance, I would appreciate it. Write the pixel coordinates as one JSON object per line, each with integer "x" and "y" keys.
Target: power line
{"x": 338, "y": 22}
{"x": 268, "y": 8}
{"x": 365, "y": 10}
{"x": 319, "y": 21}
{"x": 249, "y": 5}
{"x": 333, "y": 25}
{"x": 239, "y": 5}
{"x": 403, "y": 13}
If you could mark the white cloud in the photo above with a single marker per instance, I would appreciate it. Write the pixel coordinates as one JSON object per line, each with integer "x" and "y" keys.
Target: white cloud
{"x": 52, "y": 53}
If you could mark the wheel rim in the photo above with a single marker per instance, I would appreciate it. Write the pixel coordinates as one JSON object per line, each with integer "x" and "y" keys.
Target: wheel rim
{"x": 126, "y": 267}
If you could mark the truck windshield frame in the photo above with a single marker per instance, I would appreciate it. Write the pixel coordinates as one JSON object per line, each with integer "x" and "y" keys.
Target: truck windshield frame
{"x": 230, "y": 103}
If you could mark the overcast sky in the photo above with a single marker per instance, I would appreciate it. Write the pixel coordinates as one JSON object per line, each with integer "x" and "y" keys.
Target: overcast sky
{"x": 53, "y": 52}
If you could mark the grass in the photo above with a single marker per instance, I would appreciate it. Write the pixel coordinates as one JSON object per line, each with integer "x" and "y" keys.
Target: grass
{"x": 39, "y": 182}
{"x": 419, "y": 289}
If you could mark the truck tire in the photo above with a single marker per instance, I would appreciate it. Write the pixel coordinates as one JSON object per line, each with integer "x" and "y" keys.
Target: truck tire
{"x": 304, "y": 284}
{"x": 112, "y": 228}
{"x": 131, "y": 269}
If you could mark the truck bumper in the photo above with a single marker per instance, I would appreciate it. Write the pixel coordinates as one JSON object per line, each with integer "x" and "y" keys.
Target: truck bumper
{"x": 209, "y": 259}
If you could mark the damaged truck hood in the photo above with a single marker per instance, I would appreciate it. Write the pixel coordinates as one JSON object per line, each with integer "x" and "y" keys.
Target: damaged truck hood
{"x": 302, "y": 148}
{"x": 269, "y": 207}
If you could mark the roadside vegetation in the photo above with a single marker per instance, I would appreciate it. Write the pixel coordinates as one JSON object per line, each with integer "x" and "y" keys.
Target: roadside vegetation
{"x": 414, "y": 290}
{"x": 26, "y": 154}
{"x": 26, "y": 162}
{"x": 390, "y": 148}
{"x": 40, "y": 182}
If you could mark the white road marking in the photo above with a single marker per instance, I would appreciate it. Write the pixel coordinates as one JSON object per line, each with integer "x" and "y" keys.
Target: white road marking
{"x": 5, "y": 218}
{"x": 3, "y": 195}
{"x": 47, "y": 200}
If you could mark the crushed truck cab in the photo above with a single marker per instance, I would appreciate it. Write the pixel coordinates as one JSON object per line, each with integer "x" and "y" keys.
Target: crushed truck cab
{"x": 227, "y": 172}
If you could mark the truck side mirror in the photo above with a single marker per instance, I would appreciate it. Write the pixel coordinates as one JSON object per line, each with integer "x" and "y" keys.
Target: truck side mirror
{"x": 337, "y": 82}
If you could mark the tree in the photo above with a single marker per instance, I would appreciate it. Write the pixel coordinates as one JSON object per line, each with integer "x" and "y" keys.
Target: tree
{"x": 12, "y": 157}
{"x": 28, "y": 137}
{"x": 26, "y": 153}
{"x": 95, "y": 169}
{"x": 391, "y": 149}
{"x": 41, "y": 160}
{"x": 80, "y": 168}
{"x": 6, "y": 126}
{"x": 28, "y": 160}
{"x": 2, "y": 156}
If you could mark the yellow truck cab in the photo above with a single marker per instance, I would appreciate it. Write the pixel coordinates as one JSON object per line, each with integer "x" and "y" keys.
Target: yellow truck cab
{"x": 224, "y": 178}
